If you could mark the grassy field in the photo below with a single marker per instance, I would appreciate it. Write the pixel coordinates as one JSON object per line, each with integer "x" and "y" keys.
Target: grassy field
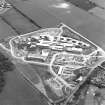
{"x": 18, "y": 91}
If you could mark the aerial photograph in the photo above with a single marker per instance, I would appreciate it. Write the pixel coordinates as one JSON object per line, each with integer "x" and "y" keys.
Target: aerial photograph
{"x": 52, "y": 52}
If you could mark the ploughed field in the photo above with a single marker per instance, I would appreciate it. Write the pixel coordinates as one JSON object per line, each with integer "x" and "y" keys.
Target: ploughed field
{"x": 14, "y": 90}
{"x": 63, "y": 63}
{"x": 64, "y": 66}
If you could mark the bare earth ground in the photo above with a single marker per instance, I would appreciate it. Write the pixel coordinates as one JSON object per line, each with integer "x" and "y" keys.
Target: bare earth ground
{"x": 17, "y": 91}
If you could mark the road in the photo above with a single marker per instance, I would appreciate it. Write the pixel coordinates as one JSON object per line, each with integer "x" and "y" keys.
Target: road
{"x": 46, "y": 15}
{"x": 31, "y": 15}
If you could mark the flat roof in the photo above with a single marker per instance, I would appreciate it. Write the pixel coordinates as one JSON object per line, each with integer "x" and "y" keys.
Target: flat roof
{"x": 46, "y": 15}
